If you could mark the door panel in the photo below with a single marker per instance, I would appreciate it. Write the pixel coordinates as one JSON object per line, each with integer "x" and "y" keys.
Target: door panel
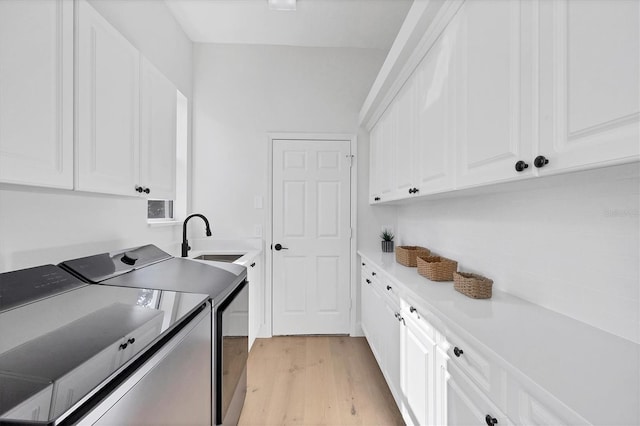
{"x": 311, "y": 219}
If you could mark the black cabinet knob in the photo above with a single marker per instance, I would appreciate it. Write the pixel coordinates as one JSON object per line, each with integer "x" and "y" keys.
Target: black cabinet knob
{"x": 412, "y": 309}
{"x": 490, "y": 420}
{"x": 416, "y": 190}
{"x": 147, "y": 191}
{"x": 368, "y": 281}
{"x": 364, "y": 264}
{"x": 376, "y": 199}
{"x": 279, "y": 247}
{"x": 139, "y": 189}
{"x": 388, "y": 288}
{"x": 457, "y": 351}
{"x": 540, "y": 161}
{"x": 132, "y": 340}
{"x": 123, "y": 346}
{"x": 521, "y": 165}
{"x": 253, "y": 264}
{"x": 373, "y": 273}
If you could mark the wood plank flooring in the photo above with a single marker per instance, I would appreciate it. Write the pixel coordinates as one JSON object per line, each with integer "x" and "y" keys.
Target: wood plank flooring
{"x": 316, "y": 380}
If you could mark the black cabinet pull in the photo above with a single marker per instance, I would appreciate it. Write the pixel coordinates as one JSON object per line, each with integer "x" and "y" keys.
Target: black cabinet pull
{"x": 521, "y": 165}
{"x": 139, "y": 189}
{"x": 376, "y": 199}
{"x": 368, "y": 281}
{"x": 412, "y": 309}
{"x": 253, "y": 264}
{"x": 490, "y": 420}
{"x": 123, "y": 346}
{"x": 132, "y": 340}
{"x": 540, "y": 161}
{"x": 457, "y": 351}
{"x": 147, "y": 191}
{"x": 388, "y": 288}
{"x": 373, "y": 273}
{"x": 364, "y": 264}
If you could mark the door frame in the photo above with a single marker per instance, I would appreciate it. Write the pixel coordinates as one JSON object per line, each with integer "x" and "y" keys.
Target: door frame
{"x": 353, "y": 142}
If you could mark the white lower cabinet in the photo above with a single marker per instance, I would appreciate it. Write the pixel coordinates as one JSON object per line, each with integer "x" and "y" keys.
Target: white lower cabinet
{"x": 440, "y": 378}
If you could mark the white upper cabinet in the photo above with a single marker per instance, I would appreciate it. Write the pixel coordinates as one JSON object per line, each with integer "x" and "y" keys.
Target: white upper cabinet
{"x": 589, "y": 90}
{"x": 404, "y": 117}
{"x": 434, "y": 133}
{"x": 488, "y": 92}
{"x": 36, "y": 92}
{"x": 157, "y": 134}
{"x": 108, "y": 107}
{"x": 382, "y": 163}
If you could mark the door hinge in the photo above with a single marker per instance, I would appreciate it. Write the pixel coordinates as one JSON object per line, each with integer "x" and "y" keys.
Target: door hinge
{"x": 350, "y": 158}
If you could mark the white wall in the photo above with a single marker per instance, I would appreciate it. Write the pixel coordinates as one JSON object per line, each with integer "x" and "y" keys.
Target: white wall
{"x": 40, "y": 226}
{"x": 569, "y": 243}
{"x": 241, "y": 93}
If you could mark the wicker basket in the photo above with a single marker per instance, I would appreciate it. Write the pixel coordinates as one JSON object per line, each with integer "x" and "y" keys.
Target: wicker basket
{"x": 437, "y": 268}
{"x": 406, "y": 255}
{"x": 472, "y": 285}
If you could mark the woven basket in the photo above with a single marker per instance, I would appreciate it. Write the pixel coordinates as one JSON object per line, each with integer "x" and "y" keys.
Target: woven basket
{"x": 437, "y": 268}
{"x": 406, "y": 255}
{"x": 472, "y": 285}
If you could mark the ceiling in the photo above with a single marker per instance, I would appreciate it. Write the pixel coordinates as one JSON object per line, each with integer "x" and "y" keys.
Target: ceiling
{"x": 316, "y": 23}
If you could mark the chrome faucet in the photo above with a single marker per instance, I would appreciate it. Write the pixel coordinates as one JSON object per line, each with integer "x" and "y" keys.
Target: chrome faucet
{"x": 185, "y": 243}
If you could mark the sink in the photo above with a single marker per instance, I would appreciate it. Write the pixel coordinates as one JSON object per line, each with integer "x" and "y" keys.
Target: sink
{"x": 221, "y": 257}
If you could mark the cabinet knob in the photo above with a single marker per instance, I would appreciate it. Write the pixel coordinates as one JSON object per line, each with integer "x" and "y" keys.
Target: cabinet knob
{"x": 123, "y": 346}
{"x": 147, "y": 191}
{"x": 364, "y": 264}
{"x": 253, "y": 264}
{"x": 521, "y": 165}
{"x": 412, "y": 309}
{"x": 388, "y": 288}
{"x": 457, "y": 351}
{"x": 368, "y": 281}
{"x": 139, "y": 189}
{"x": 540, "y": 161}
{"x": 132, "y": 340}
{"x": 416, "y": 190}
{"x": 490, "y": 420}
{"x": 376, "y": 199}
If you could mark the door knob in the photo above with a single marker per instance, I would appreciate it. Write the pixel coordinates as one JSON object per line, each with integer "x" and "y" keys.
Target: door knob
{"x": 521, "y": 165}
{"x": 279, "y": 247}
{"x": 540, "y": 161}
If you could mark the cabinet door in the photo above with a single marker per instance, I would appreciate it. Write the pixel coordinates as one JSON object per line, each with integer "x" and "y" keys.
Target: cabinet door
{"x": 136, "y": 341}
{"x": 466, "y": 405}
{"x": 417, "y": 374}
{"x": 403, "y": 114}
{"x": 590, "y": 107}
{"x": 72, "y": 387}
{"x": 435, "y": 151}
{"x": 391, "y": 340}
{"x": 35, "y": 408}
{"x": 385, "y": 158}
{"x": 256, "y": 299}
{"x": 488, "y": 96}
{"x": 108, "y": 77}
{"x": 157, "y": 133}
{"x": 374, "y": 178}
{"x": 36, "y": 92}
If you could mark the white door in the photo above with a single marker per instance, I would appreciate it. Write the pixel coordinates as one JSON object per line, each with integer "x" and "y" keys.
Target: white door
{"x": 311, "y": 222}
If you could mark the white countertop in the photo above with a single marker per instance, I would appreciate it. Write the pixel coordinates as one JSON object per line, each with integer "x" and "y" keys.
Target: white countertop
{"x": 593, "y": 372}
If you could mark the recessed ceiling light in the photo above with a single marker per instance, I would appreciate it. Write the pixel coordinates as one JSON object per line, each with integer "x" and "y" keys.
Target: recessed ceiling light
{"x": 282, "y": 4}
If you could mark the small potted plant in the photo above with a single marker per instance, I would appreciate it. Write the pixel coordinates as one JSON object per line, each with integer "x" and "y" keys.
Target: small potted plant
{"x": 387, "y": 241}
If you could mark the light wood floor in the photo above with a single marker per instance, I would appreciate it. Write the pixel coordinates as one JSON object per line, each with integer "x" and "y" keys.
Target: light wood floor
{"x": 316, "y": 380}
